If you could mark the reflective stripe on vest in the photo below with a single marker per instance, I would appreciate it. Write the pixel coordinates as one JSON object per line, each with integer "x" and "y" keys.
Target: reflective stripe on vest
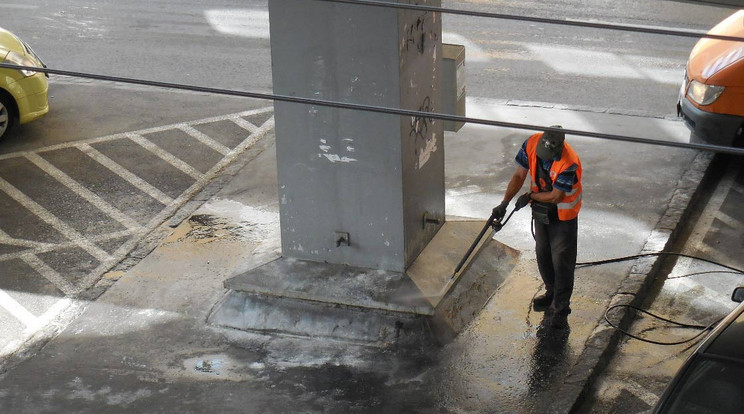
{"x": 570, "y": 205}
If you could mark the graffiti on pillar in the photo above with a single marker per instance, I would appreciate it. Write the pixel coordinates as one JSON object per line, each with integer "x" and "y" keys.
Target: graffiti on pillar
{"x": 420, "y": 33}
{"x": 425, "y": 142}
{"x": 415, "y": 36}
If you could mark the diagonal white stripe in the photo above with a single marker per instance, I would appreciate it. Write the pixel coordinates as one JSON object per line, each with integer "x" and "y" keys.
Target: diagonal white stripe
{"x": 6, "y": 239}
{"x": 245, "y": 125}
{"x": 204, "y": 139}
{"x": 166, "y": 156}
{"x": 48, "y": 247}
{"x": 122, "y": 172}
{"x": 52, "y": 220}
{"x": 50, "y": 274}
{"x": 17, "y": 310}
{"x": 83, "y": 192}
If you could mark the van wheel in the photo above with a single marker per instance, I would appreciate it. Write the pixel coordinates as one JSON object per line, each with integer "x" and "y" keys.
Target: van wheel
{"x": 7, "y": 117}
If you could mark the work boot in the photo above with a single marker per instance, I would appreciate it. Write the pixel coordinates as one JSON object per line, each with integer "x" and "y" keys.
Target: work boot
{"x": 559, "y": 321}
{"x": 541, "y": 303}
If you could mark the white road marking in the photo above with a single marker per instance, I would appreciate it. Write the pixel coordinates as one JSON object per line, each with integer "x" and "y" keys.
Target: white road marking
{"x": 48, "y": 247}
{"x": 145, "y": 131}
{"x": 245, "y": 125}
{"x": 169, "y": 210}
{"x": 122, "y": 172}
{"x": 204, "y": 139}
{"x": 641, "y": 392}
{"x": 165, "y": 156}
{"x": 33, "y": 248}
{"x": 50, "y": 274}
{"x": 7, "y": 240}
{"x": 18, "y": 6}
{"x": 52, "y": 220}
{"x": 17, "y": 310}
{"x": 53, "y": 311}
{"x": 83, "y": 192}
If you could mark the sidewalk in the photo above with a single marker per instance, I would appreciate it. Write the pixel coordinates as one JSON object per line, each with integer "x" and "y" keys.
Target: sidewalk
{"x": 139, "y": 342}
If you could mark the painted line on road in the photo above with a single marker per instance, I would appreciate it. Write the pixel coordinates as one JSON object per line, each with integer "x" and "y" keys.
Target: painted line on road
{"x": 52, "y": 220}
{"x": 145, "y": 131}
{"x": 77, "y": 240}
{"x": 204, "y": 139}
{"x": 18, "y": 6}
{"x": 48, "y": 247}
{"x": 17, "y": 310}
{"x": 83, "y": 192}
{"x": 171, "y": 208}
{"x": 48, "y": 273}
{"x": 165, "y": 156}
{"x": 641, "y": 392}
{"x": 245, "y": 125}
{"x": 10, "y": 241}
{"x": 125, "y": 174}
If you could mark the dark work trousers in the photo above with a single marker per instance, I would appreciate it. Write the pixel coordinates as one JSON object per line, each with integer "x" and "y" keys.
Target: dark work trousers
{"x": 556, "y": 260}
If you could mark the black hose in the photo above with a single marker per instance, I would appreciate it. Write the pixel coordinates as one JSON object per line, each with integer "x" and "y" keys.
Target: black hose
{"x": 703, "y": 328}
{"x": 638, "y": 256}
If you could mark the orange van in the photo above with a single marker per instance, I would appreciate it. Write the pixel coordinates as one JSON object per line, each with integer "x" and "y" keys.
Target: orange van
{"x": 711, "y": 100}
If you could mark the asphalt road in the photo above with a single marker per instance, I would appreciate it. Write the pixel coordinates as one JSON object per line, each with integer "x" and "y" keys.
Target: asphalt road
{"x": 225, "y": 44}
{"x": 687, "y": 291}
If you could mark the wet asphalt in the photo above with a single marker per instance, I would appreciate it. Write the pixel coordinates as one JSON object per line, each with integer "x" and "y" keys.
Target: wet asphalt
{"x": 138, "y": 342}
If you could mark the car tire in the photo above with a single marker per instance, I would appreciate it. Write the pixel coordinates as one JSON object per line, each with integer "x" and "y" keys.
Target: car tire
{"x": 7, "y": 117}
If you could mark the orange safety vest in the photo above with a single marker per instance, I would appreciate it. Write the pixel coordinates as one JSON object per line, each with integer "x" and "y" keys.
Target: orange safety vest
{"x": 568, "y": 208}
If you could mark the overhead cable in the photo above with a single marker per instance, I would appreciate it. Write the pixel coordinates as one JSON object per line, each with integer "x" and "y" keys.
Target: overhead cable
{"x": 379, "y": 109}
{"x": 577, "y": 23}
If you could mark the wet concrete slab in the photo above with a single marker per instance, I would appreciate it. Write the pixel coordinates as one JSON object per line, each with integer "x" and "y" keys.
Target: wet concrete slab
{"x": 429, "y": 303}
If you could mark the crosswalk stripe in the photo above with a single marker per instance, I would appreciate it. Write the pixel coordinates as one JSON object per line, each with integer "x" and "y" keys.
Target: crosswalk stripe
{"x": 165, "y": 156}
{"x": 83, "y": 192}
{"x": 122, "y": 172}
{"x": 51, "y": 219}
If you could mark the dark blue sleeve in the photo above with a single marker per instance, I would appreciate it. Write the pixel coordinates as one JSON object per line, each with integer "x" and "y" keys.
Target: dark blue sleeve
{"x": 521, "y": 157}
{"x": 566, "y": 180}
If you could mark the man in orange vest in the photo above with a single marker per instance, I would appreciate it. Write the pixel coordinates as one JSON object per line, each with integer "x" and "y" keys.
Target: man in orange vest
{"x": 555, "y": 197}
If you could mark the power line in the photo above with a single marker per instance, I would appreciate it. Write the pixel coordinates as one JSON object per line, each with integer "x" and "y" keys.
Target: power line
{"x": 379, "y": 109}
{"x": 576, "y": 23}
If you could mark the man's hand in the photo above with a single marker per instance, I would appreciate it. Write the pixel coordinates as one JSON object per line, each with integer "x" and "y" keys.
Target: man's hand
{"x": 522, "y": 201}
{"x": 500, "y": 211}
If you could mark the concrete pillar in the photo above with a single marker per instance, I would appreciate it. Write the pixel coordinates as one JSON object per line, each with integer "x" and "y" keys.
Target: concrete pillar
{"x": 356, "y": 187}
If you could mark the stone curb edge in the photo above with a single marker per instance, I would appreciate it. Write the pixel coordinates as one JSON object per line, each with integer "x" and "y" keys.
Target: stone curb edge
{"x": 603, "y": 339}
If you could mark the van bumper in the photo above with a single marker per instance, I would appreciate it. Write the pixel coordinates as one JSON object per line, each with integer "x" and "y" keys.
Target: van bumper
{"x": 709, "y": 127}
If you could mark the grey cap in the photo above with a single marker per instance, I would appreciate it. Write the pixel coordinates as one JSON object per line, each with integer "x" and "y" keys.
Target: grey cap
{"x": 551, "y": 143}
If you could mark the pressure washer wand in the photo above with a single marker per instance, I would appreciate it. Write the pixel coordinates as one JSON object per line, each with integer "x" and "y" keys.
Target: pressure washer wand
{"x": 492, "y": 222}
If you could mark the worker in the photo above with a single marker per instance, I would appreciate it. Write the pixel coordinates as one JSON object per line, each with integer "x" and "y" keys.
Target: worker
{"x": 555, "y": 198}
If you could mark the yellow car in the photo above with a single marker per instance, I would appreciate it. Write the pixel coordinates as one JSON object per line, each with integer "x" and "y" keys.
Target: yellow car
{"x": 23, "y": 93}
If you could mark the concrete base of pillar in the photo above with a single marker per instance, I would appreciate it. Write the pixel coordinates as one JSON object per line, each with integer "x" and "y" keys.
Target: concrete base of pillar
{"x": 425, "y": 304}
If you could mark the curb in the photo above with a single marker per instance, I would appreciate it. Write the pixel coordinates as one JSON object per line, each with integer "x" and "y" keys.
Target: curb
{"x": 603, "y": 340}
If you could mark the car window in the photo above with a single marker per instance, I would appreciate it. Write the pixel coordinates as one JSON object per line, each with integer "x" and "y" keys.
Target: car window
{"x": 709, "y": 386}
